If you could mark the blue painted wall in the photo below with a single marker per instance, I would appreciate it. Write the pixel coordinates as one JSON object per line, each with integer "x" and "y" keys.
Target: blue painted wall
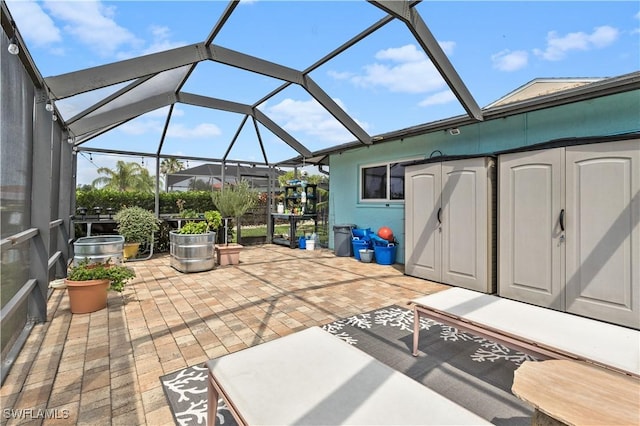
{"x": 610, "y": 115}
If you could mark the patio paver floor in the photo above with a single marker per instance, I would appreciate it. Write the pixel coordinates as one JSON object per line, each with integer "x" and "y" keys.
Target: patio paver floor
{"x": 104, "y": 367}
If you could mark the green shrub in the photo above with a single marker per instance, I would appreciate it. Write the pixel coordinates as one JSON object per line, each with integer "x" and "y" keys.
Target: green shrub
{"x": 136, "y": 224}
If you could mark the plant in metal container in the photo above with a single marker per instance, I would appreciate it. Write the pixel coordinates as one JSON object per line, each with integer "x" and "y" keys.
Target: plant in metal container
{"x": 192, "y": 246}
{"x": 212, "y": 221}
{"x": 88, "y": 284}
{"x": 137, "y": 226}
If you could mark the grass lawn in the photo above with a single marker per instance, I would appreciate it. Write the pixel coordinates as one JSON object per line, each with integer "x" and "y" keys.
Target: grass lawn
{"x": 303, "y": 228}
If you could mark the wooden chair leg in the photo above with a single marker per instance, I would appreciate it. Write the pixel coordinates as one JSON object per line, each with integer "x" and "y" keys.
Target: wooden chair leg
{"x": 416, "y": 330}
{"x": 212, "y": 402}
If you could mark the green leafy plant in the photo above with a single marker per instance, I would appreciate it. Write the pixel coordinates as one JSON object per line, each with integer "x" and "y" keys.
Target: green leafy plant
{"x": 117, "y": 275}
{"x": 136, "y": 224}
{"x": 189, "y": 214}
{"x": 212, "y": 221}
{"x": 193, "y": 228}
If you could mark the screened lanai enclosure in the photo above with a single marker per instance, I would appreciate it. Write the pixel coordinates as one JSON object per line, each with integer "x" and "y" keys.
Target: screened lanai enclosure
{"x": 266, "y": 94}
{"x": 47, "y": 121}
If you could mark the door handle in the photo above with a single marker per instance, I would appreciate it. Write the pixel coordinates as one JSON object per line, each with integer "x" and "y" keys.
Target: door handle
{"x": 562, "y": 220}
{"x": 439, "y": 213}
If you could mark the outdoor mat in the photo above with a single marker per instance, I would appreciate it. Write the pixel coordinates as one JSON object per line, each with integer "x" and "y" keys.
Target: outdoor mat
{"x": 472, "y": 371}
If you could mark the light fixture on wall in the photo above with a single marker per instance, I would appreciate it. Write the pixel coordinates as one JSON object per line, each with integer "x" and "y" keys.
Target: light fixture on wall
{"x": 454, "y": 131}
{"x": 142, "y": 161}
{"x": 13, "y": 46}
{"x": 49, "y": 105}
{"x": 13, "y": 43}
{"x": 71, "y": 140}
{"x": 54, "y": 117}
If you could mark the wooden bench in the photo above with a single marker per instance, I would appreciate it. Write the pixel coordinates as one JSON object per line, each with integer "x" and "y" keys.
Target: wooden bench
{"x": 532, "y": 329}
{"x": 313, "y": 378}
{"x": 577, "y": 393}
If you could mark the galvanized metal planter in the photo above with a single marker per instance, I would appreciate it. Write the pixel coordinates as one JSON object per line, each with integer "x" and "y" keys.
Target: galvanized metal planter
{"x": 99, "y": 249}
{"x": 192, "y": 252}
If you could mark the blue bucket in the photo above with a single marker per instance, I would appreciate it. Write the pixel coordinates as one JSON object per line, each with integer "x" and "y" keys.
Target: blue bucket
{"x": 357, "y": 245}
{"x": 385, "y": 255}
{"x": 361, "y": 233}
{"x": 302, "y": 243}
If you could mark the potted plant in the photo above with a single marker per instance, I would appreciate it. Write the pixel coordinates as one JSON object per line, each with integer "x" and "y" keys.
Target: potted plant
{"x": 88, "y": 284}
{"x": 233, "y": 202}
{"x": 192, "y": 246}
{"x": 137, "y": 226}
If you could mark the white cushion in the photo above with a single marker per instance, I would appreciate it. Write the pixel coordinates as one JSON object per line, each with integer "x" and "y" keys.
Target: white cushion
{"x": 312, "y": 377}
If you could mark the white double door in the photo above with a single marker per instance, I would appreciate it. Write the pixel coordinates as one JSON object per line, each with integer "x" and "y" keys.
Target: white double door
{"x": 569, "y": 230}
{"x": 447, "y": 223}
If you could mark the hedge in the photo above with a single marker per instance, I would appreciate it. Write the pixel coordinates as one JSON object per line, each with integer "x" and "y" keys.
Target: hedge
{"x": 199, "y": 201}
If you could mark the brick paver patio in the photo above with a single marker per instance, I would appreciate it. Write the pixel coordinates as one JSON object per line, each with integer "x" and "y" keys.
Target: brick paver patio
{"x": 104, "y": 367}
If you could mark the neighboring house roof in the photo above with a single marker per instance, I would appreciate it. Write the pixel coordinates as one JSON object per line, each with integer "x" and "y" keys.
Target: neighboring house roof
{"x": 540, "y": 87}
{"x": 232, "y": 172}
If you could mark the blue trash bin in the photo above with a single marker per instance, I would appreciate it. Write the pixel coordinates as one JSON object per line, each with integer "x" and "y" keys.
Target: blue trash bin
{"x": 302, "y": 243}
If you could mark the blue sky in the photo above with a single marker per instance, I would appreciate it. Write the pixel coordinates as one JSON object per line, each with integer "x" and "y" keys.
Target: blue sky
{"x": 385, "y": 82}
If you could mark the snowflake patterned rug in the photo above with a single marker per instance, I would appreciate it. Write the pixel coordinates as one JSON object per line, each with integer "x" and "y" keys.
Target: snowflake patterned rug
{"x": 472, "y": 371}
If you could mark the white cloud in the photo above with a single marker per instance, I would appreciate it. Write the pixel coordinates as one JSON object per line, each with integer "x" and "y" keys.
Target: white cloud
{"x": 439, "y": 98}
{"x": 93, "y": 24}
{"x": 340, "y": 75}
{"x": 407, "y": 53}
{"x": 507, "y": 60}
{"x": 403, "y": 69}
{"x": 203, "y": 130}
{"x": 35, "y": 26}
{"x": 141, "y": 127}
{"x": 309, "y": 117}
{"x": 176, "y": 130}
{"x": 160, "y": 42}
{"x": 558, "y": 46}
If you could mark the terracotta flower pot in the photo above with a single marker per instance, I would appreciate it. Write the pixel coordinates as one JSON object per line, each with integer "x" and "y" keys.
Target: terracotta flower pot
{"x": 228, "y": 254}
{"x": 87, "y": 296}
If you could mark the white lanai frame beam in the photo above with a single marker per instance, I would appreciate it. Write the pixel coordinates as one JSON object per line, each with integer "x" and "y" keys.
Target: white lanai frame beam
{"x": 403, "y": 11}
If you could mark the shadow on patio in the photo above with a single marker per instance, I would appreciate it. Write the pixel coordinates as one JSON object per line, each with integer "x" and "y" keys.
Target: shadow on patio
{"x": 105, "y": 366}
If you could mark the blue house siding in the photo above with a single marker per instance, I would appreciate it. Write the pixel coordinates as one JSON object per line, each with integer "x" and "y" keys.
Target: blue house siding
{"x": 604, "y": 116}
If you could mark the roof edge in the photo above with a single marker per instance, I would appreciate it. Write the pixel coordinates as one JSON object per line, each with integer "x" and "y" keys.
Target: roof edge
{"x": 608, "y": 86}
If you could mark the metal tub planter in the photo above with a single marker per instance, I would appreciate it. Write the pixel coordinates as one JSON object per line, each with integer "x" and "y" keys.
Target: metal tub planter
{"x": 99, "y": 249}
{"x": 192, "y": 252}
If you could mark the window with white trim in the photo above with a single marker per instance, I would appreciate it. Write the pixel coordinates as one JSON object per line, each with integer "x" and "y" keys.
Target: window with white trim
{"x": 382, "y": 182}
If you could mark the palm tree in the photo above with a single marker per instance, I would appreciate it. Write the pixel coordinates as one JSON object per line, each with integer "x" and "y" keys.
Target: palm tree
{"x": 169, "y": 166}
{"x": 125, "y": 177}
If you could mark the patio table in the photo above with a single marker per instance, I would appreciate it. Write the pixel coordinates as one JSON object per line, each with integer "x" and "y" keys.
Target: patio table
{"x": 577, "y": 393}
